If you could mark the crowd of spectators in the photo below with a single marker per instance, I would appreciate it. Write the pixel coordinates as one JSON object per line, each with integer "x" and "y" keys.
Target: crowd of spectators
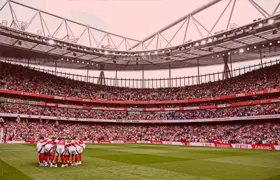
{"x": 253, "y": 133}
{"x": 264, "y": 109}
{"x": 21, "y": 78}
{"x": 38, "y": 100}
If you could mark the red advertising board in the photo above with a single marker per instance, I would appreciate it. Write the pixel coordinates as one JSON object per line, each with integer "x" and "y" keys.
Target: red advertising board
{"x": 103, "y": 141}
{"x": 156, "y": 142}
{"x": 130, "y": 141}
{"x": 223, "y": 145}
{"x": 263, "y": 146}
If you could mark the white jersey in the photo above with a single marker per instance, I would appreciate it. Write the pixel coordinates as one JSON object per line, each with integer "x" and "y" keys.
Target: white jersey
{"x": 60, "y": 149}
{"x": 40, "y": 147}
{"x": 50, "y": 147}
{"x": 82, "y": 144}
{"x": 71, "y": 149}
{"x": 78, "y": 146}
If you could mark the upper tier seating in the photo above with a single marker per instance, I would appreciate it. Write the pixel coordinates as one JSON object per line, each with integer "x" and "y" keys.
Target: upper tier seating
{"x": 21, "y": 78}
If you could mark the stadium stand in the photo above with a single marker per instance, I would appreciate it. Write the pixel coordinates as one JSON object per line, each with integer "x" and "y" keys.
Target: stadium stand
{"x": 21, "y": 78}
{"x": 246, "y": 133}
{"x": 267, "y": 109}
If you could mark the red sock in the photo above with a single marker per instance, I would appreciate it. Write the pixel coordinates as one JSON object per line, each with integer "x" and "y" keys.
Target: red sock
{"x": 67, "y": 159}
{"x": 51, "y": 158}
{"x": 46, "y": 157}
{"x": 62, "y": 159}
{"x": 42, "y": 157}
{"x": 80, "y": 157}
{"x": 77, "y": 158}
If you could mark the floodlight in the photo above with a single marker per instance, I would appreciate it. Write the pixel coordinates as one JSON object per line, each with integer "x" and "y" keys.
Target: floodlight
{"x": 261, "y": 25}
{"x": 270, "y": 21}
{"x": 51, "y": 42}
{"x": 241, "y": 50}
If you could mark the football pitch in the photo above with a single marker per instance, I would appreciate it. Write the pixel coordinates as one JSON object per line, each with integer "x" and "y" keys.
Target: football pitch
{"x": 134, "y": 161}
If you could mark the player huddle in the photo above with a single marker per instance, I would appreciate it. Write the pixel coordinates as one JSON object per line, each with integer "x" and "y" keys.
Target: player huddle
{"x": 50, "y": 149}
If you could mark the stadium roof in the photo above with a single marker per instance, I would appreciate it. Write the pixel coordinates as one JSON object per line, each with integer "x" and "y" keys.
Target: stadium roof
{"x": 260, "y": 38}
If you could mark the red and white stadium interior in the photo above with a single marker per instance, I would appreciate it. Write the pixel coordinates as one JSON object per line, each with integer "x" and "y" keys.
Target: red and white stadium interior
{"x": 231, "y": 108}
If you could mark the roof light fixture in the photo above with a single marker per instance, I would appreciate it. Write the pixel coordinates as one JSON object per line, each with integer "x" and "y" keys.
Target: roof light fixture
{"x": 270, "y": 21}
{"x": 51, "y": 42}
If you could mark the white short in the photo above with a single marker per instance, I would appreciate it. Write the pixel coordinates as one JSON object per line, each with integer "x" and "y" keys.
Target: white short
{"x": 60, "y": 149}
{"x": 72, "y": 150}
{"x": 49, "y": 148}
{"x": 83, "y": 146}
{"x": 40, "y": 148}
{"x": 80, "y": 149}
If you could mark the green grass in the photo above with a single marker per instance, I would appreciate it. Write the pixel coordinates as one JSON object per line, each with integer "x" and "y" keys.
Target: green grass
{"x": 134, "y": 161}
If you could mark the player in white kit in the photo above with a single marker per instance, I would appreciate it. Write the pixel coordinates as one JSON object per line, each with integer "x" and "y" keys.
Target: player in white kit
{"x": 49, "y": 152}
{"x": 80, "y": 147}
{"x": 60, "y": 151}
{"x": 40, "y": 148}
{"x": 71, "y": 151}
